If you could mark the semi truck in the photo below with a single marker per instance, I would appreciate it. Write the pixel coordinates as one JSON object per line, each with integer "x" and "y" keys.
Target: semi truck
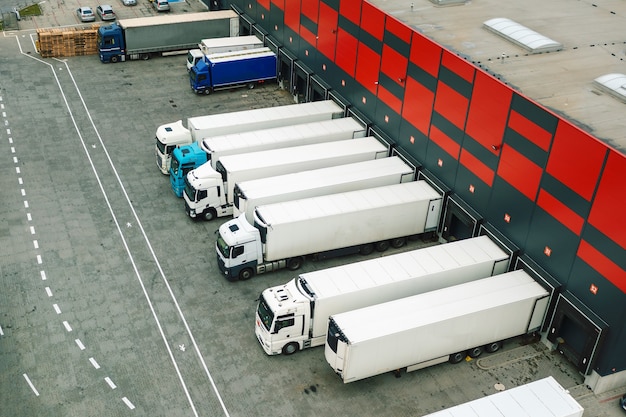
{"x": 283, "y": 234}
{"x": 312, "y": 183}
{"x": 448, "y": 324}
{"x": 233, "y": 69}
{"x": 209, "y": 192}
{"x": 173, "y": 135}
{"x": 219, "y": 45}
{"x": 295, "y": 315}
{"x": 542, "y": 398}
{"x": 142, "y": 37}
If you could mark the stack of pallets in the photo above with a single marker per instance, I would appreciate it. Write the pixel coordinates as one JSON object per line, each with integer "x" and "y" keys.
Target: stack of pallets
{"x": 56, "y": 42}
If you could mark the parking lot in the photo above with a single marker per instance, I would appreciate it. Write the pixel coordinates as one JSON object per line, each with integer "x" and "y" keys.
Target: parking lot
{"x": 110, "y": 298}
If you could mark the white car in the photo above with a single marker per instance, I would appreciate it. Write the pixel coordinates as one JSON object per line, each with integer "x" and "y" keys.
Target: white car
{"x": 129, "y": 2}
{"x": 161, "y": 5}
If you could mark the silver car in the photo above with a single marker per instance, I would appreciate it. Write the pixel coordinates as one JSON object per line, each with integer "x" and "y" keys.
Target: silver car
{"x": 161, "y": 5}
{"x": 129, "y": 2}
{"x": 105, "y": 12}
{"x": 85, "y": 14}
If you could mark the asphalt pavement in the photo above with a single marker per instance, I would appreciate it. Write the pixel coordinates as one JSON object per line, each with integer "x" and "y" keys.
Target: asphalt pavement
{"x": 111, "y": 303}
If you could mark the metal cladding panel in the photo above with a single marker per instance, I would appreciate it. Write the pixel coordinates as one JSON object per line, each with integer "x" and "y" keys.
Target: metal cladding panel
{"x": 263, "y": 118}
{"x": 345, "y": 219}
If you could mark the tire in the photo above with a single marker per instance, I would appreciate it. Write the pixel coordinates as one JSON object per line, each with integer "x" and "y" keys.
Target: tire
{"x": 382, "y": 246}
{"x": 457, "y": 357}
{"x": 493, "y": 347}
{"x": 366, "y": 249}
{"x": 398, "y": 242}
{"x": 245, "y": 274}
{"x": 207, "y": 91}
{"x": 295, "y": 263}
{"x": 114, "y": 59}
{"x": 475, "y": 352}
{"x": 209, "y": 215}
{"x": 290, "y": 348}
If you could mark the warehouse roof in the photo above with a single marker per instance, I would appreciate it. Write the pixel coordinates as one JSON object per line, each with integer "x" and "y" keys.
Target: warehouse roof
{"x": 593, "y": 45}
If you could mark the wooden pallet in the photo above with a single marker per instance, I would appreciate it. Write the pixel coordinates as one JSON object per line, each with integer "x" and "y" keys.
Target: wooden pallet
{"x": 63, "y": 42}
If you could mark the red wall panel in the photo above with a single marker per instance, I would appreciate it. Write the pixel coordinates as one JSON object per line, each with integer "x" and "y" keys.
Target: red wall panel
{"x": 292, "y": 15}
{"x": 560, "y": 211}
{"x": 264, "y": 3}
{"x": 393, "y": 65}
{"x": 327, "y": 31}
{"x": 368, "y": 63}
{"x": 418, "y": 105}
{"x": 489, "y": 108}
{"x": 389, "y": 99}
{"x": 534, "y": 133}
{"x": 279, "y": 3}
{"x": 576, "y": 159}
{"x": 451, "y": 105}
{"x": 351, "y": 10}
{"x": 446, "y": 143}
{"x": 602, "y": 264}
{"x": 347, "y": 46}
{"x": 310, "y": 9}
{"x": 459, "y": 66}
{"x": 608, "y": 208}
{"x": 373, "y": 21}
{"x": 425, "y": 54}
{"x": 477, "y": 167}
{"x": 520, "y": 172}
{"x": 399, "y": 29}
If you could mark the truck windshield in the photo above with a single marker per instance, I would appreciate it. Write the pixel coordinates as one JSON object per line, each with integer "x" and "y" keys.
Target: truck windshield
{"x": 223, "y": 247}
{"x": 175, "y": 165}
{"x": 190, "y": 191}
{"x": 265, "y": 313}
{"x": 160, "y": 145}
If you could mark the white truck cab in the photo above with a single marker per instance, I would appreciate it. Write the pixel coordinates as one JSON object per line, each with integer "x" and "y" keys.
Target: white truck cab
{"x": 169, "y": 137}
{"x": 204, "y": 194}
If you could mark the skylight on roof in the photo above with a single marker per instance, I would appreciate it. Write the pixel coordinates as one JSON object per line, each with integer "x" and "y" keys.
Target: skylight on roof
{"x": 614, "y": 84}
{"x": 521, "y": 35}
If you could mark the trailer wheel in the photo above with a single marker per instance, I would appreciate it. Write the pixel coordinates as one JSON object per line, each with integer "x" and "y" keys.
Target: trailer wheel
{"x": 475, "y": 352}
{"x": 398, "y": 242}
{"x": 295, "y": 263}
{"x": 493, "y": 347}
{"x": 366, "y": 249}
{"x": 114, "y": 59}
{"x": 382, "y": 246}
{"x": 209, "y": 214}
{"x": 245, "y": 274}
{"x": 290, "y": 348}
{"x": 457, "y": 357}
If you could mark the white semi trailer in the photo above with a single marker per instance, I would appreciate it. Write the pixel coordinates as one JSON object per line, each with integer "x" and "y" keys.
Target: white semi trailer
{"x": 281, "y": 137}
{"x": 209, "y": 193}
{"x": 542, "y": 398}
{"x": 295, "y": 315}
{"x": 442, "y": 325}
{"x": 172, "y": 135}
{"x": 330, "y": 225}
{"x": 368, "y": 174}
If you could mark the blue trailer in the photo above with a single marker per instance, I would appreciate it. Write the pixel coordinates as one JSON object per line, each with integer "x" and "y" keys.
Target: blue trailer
{"x": 233, "y": 69}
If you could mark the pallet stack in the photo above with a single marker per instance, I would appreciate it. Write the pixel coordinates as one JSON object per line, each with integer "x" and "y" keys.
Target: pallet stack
{"x": 55, "y": 42}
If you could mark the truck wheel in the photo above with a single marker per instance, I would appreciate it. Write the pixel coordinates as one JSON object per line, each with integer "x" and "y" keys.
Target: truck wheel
{"x": 493, "y": 347}
{"x": 295, "y": 263}
{"x": 457, "y": 357}
{"x": 207, "y": 91}
{"x": 209, "y": 215}
{"x": 114, "y": 59}
{"x": 245, "y": 274}
{"x": 475, "y": 352}
{"x": 290, "y": 348}
{"x": 366, "y": 249}
{"x": 382, "y": 246}
{"x": 398, "y": 242}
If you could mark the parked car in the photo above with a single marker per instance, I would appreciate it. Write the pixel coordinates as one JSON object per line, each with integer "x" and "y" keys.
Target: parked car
{"x": 85, "y": 14}
{"x": 622, "y": 402}
{"x": 105, "y": 12}
{"x": 161, "y": 5}
{"x": 129, "y": 2}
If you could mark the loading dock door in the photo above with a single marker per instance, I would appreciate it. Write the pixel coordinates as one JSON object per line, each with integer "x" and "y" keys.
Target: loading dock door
{"x": 319, "y": 89}
{"x": 577, "y": 332}
{"x": 286, "y": 62}
{"x": 460, "y": 221}
{"x": 302, "y": 81}
{"x": 487, "y": 229}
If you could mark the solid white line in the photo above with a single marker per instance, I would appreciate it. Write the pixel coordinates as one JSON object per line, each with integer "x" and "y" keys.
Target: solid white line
{"x": 49, "y": 291}
{"x": 56, "y": 308}
{"x": 67, "y": 326}
{"x": 80, "y": 344}
{"x": 31, "y": 385}
{"x": 128, "y": 403}
{"x": 94, "y": 363}
{"x": 111, "y": 384}
{"x": 43, "y": 275}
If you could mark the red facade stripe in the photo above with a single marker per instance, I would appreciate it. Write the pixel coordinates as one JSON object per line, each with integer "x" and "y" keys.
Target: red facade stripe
{"x": 327, "y": 31}
{"x": 459, "y": 66}
{"x": 264, "y": 3}
{"x": 445, "y": 142}
{"x": 292, "y": 15}
{"x": 417, "y": 108}
{"x": 603, "y": 265}
{"x": 310, "y": 9}
{"x": 347, "y": 46}
{"x": 426, "y": 54}
{"x": 534, "y": 133}
{"x": 475, "y": 166}
{"x": 373, "y": 20}
{"x": 389, "y": 99}
{"x": 393, "y": 65}
{"x": 451, "y": 105}
{"x": 566, "y": 216}
{"x": 279, "y": 3}
{"x": 368, "y": 63}
{"x": 520, "y": 172}
{"x": 351, "y": 10}
{"x": 399, "y": 29}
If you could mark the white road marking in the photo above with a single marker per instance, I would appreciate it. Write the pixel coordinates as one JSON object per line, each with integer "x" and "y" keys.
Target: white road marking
{"x": 128, "y": 403}
{"x": 111, "y": 384}
{"x": 67, "y": 326}
{"x": 94, "y": 363}
{"x": 80, "y": 344}
{"x": 36, "y": 244}
{"x": 56, "y": 308}
{"x": 39, "y": 260}
{"x": 49, "y": 291}
{"x": 31, "y": 385}
{"x": 43, "y": 275}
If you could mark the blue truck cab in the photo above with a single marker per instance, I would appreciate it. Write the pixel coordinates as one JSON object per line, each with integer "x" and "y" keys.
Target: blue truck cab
{"x": 232, "y": 69}
{"x": 184, "y": 159}
{"x": 111, "y": 44}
